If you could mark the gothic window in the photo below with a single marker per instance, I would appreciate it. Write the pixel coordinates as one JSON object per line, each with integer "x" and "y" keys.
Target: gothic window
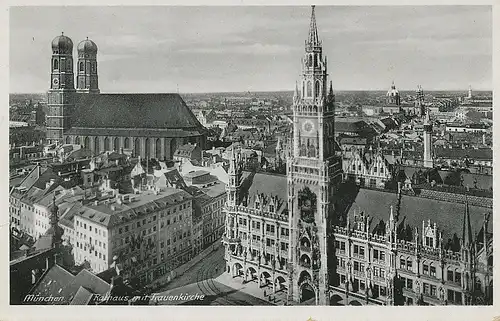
{"x": 106, "y": 144}
{"x": 309, "y": 89}
{"x": 81, "y": 66}
{"x": 309, "y": 62}
{"x": 97, "y": 148}
{"x": 126, "y": 143}
{"x": 56, "y": 64}
{"x": 315, "y": 60}
{"x": 317, "y": 89}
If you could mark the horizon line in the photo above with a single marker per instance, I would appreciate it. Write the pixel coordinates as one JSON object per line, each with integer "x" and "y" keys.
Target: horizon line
{"x": 256, "y": 91}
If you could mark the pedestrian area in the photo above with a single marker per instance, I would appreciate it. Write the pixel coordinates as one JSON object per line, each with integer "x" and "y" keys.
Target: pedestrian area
{"x": 252, "y": 288}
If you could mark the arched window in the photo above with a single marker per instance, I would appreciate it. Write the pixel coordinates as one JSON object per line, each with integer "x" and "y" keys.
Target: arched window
{"x": 309, "y": 89}
{"x": 56, "y": 64}
{"x": 317, "y": 89}
{"x": 97, "y": 148}
{"x": 126, "y": 143}
{"x": 315, "y": 61}
{"x": 81, "y": 66}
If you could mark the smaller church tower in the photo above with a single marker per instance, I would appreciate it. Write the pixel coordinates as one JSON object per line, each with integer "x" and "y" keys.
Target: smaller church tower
{"x": 419, "y": 101}
{"x": 428, "y": 161}
{"x": 87, "y": 79}
{"x": 392, "y": 97}
{"x": 60, "y": 96}
{"x": 55, "y": 231}
{"x": 469, "y": 95}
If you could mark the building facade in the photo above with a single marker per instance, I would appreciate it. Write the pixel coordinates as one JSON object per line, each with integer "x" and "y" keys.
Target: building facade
{"x": 149, "y": 233}
{"x": 307, "y": 233}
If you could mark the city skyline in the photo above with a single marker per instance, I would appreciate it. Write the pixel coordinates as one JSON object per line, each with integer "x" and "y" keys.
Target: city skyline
{"x": 235, "y": 49}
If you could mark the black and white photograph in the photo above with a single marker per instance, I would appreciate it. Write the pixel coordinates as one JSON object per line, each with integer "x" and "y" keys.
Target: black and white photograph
{"x": 250, "y": 155}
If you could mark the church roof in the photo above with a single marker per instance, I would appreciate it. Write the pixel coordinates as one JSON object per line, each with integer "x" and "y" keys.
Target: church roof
{"x": 122, "y": 111}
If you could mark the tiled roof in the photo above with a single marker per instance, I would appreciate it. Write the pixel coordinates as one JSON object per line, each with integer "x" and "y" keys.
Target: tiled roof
{"x": 353, "y": 140}
{"x": 459, "y": 153}
{"x": 52, "y": 283}
{"x": 82, "y": 297}
{"x": 134, "y": 110}
{"x": 135, "y": 132}
{"x": 268, "y": 185}
{"x": 105, "y": 215}
{"x": 185, "y": 150}
{"x": 414, "y": 210}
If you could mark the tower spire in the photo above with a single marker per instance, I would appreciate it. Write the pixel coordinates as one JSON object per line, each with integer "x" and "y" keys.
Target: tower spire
{"x": 313, "y": 39}
{"x": 466, "y": 228}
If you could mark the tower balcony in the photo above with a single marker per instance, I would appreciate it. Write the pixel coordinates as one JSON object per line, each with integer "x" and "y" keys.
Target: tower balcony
{"x": 231, "y": 241}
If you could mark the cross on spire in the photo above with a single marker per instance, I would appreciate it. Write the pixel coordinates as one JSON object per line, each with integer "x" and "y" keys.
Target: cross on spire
{"x": 313, "y": 39}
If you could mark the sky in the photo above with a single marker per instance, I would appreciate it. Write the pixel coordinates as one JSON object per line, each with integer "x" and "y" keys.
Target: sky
{"x": 232, "y": 49}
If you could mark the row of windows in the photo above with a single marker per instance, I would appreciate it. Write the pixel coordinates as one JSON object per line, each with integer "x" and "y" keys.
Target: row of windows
{"x": 360, "y": 285}
{"x": 96, "y": 253}
{"x": 96, "y": 230}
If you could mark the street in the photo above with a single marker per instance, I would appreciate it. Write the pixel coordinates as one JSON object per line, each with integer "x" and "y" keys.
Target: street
{"x": 210, "y": 267}
{"x": 200, "y": 279}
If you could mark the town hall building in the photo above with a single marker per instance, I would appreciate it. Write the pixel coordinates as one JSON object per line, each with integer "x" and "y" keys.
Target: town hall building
{"x": 326, "y": 241}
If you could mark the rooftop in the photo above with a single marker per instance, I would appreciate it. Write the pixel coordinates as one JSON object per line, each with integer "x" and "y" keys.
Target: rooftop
{"x": 111, "y": 213}
{"x": 136, "y": 111}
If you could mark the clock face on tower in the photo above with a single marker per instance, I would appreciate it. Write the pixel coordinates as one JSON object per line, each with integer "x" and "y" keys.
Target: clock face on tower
{"x": 308, "y": 126}
{"x": 55, "y": 81}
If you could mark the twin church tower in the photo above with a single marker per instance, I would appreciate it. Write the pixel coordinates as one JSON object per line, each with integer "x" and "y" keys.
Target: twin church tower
{"x": 61, "y": 95}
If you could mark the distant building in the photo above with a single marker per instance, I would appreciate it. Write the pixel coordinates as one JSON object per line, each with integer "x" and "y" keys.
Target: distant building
{"x": 392, "y": 101}
{"x": 188, "y": 152}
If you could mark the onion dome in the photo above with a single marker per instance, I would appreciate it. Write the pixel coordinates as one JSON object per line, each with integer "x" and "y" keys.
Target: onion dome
{"x": 62, "y": 45}
{"x": 393, "y": 91}
{"x": 87, "y": 46}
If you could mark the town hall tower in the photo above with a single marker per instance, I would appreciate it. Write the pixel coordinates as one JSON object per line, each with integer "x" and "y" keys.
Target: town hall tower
{"x": 314, "y": 172}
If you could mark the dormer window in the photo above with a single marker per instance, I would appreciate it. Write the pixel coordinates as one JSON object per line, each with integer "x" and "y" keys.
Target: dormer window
{"x": 271, "y": 208}
{"x": 257, "y": 204}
